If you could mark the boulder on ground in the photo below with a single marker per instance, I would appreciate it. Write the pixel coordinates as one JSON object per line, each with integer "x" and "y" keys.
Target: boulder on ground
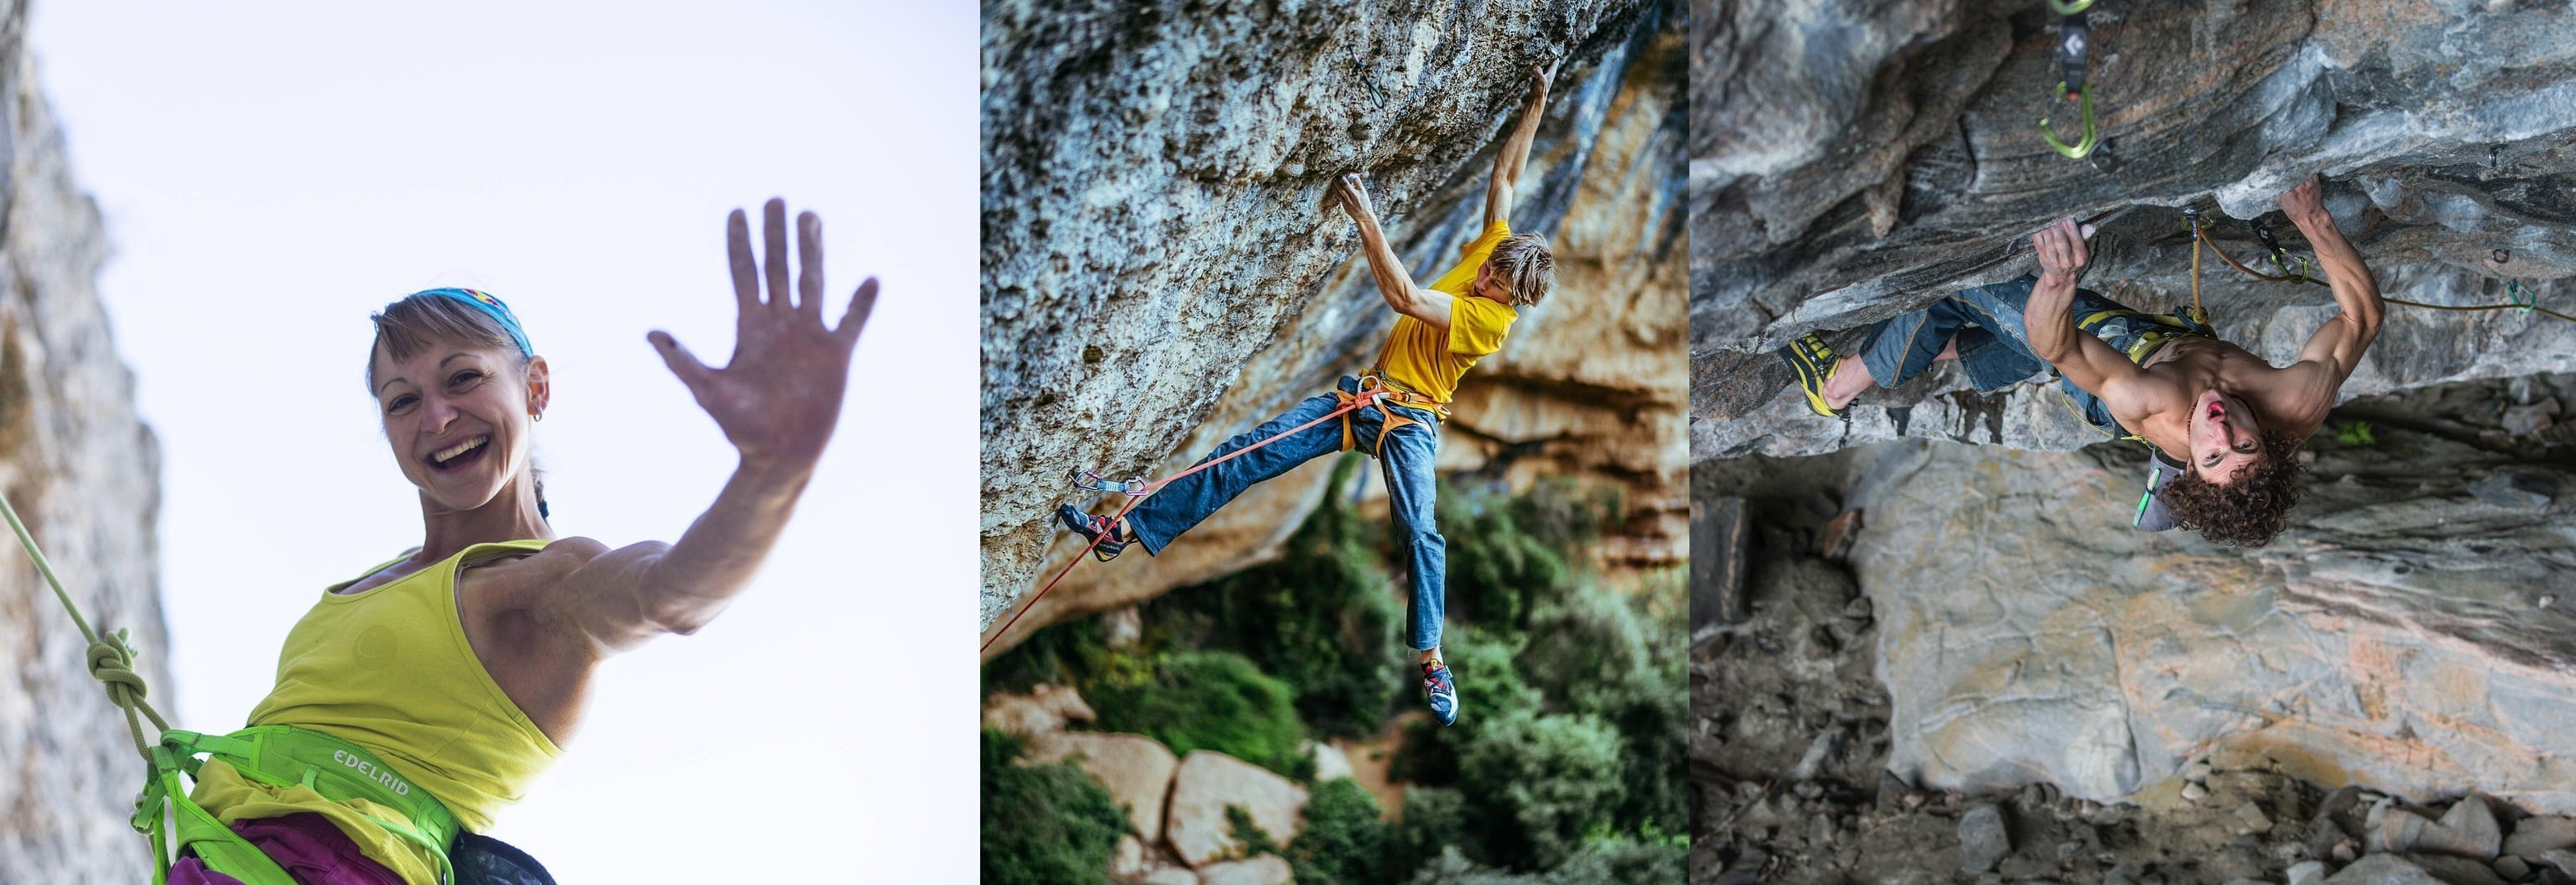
{"x": 1044, "y": 709}
{"x": 2535, "y": 835}
{"x": 1136, "y": 769}
{"x": 1268, "y": 869}
{"x": 2382, "y": 869}
{"x": 1194, "y": 821}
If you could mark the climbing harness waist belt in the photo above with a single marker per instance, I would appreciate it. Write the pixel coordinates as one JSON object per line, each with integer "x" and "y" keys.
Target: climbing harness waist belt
{"x": 282, "y": 755}
{"x": 2137, "y": 334}
{"x": 1385, "y": 393}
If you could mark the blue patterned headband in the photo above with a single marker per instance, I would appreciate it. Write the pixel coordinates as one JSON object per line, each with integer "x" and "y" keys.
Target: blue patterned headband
{"x": 491, "y": 307}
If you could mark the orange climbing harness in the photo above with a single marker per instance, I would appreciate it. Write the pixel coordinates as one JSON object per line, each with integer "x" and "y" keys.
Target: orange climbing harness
{"x": 1373, "y": 389}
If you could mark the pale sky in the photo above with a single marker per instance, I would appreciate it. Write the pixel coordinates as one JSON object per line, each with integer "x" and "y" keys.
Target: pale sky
{"x": 273, "y": 171}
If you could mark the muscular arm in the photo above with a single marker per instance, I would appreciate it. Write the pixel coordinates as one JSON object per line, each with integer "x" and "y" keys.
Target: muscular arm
{"x": 1514, "y": 155}
{"x": 776, "y": 400}
{"x": 2336, "y": 348}
{"x": 2049, "y": 320}
{"x": 1428, "y": 305}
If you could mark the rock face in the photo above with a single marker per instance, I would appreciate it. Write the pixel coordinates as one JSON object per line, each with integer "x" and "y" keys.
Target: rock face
{"x": 1849, "y": 163}
{"x": 2407, "y": 632}
{"x": 1162, "y": 269}
{"x": 1209, "y": 781}
{"x": 81, "y": 470}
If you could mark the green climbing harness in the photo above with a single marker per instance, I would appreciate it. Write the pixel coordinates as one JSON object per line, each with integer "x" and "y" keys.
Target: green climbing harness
{"x": 277, "y": 755}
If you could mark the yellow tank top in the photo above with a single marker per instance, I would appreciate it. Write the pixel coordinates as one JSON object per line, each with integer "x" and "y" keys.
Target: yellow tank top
{"x": 389, "y": 669}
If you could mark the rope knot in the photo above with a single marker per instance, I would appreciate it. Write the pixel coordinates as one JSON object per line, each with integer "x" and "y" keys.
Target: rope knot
{"x": 111, "y": 660}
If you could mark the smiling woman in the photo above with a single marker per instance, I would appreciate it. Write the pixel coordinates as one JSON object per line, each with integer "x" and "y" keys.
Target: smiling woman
{"x": 449, "y": 677}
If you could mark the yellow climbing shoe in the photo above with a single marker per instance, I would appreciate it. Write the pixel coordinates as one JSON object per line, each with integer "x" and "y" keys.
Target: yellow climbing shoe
{"x": 1814, "y": 362}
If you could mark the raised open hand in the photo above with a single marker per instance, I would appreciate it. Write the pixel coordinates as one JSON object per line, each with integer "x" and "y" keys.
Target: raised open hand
{"x": 2061, "y": 247}
{"x": 1354, "y": 197}
{"x": 2303, "y": 201}
{"x": 779, "y": 395}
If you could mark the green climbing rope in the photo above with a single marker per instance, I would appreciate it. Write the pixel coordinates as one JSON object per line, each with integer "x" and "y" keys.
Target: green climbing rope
{"x": 111, "y": 659}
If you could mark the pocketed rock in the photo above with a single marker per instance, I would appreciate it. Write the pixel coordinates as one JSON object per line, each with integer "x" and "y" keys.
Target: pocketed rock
{"x": 1044, "y": 709}
{"x": 1207, "y": 781}
{"x": 1136, "y": 769}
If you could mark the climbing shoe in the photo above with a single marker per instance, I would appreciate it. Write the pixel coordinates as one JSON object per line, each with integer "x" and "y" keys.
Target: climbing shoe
{"x": 1104, "y": 532}
{"x": 1814, "y": 363}
{"x": 1440, "y": 691}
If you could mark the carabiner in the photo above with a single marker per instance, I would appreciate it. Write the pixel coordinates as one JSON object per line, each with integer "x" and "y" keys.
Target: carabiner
{"x": 2062, "y": 7}
{"x": 1088, "y": 481}
{"x": 2092, "y": 138}
{"x": 2522, "y": 296}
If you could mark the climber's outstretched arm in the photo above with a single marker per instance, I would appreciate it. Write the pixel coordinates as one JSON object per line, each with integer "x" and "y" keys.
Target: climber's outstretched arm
{"x": 1428, "y": 305}
{"x": 2049, "y": 318}
{"x": 1515, "y": 153}
{"x": 2335, "y": 350}
{"x": 776, "y": 400}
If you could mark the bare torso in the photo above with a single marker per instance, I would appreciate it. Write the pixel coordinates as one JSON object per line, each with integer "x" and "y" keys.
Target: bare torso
{"x": 539, "y": 659}
{"x": 2157, "y": 405}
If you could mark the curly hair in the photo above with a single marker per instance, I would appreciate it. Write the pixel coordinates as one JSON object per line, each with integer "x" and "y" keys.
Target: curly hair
{"x": 2248, "y": 511}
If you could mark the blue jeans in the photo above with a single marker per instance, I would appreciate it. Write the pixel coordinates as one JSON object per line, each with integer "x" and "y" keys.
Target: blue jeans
{"x": 1994, "y": 340}
{"x": 1406, "y": 453}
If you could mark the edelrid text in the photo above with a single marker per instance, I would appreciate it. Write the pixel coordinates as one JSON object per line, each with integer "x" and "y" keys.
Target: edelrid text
{"x": 369, "y": 771}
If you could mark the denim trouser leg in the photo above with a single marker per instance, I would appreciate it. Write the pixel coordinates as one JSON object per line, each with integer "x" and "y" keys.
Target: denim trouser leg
{"x": 1182, "y": 504}
{"x": 1406, "y": 454}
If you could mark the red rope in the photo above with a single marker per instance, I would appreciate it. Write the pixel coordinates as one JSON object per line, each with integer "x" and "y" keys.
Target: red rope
{"x": 1362, "y": 399}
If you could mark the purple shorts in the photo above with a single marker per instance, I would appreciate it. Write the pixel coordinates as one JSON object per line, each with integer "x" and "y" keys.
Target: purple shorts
{"x": 311, "y": 849}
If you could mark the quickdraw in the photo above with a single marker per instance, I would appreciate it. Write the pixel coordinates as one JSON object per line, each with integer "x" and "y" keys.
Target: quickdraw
{"x": 1135, "y": 487}
{"x": 2071, "y": 44}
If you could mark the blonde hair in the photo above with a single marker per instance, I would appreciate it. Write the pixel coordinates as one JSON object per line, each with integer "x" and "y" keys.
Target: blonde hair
{"x": 1524, "y": 264}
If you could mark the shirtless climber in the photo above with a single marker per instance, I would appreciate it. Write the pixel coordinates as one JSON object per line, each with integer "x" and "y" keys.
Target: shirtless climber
{"x": 1442, "y": 329}
{"x": 2229, "y": 422}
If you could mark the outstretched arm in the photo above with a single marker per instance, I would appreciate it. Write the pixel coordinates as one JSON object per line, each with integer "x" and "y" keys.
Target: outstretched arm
{"x": 1515, "y": 153}
{"x": 776, "y": 400}
{"x": 2049, "y": 316}
{"x": 2336, "y": 348}
{"x": 1428, "y": 305}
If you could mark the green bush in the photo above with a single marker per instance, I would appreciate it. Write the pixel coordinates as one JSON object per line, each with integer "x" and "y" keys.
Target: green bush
{"x": 1211, "y": 700}
{"x": 1344, "y": 842}
{"x": 1485, "y": 664}
{"x": 1506, "y": 553}
{"x": 1322, "y": 617}
{"x": 1044, "y": 824}
{"x": 1606, "y": 863}
{"x": 1602, "y": 654}
{"x": 1543, "y": 782}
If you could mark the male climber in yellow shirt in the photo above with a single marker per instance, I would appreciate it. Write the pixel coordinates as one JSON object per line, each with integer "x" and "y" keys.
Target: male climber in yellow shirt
{"x": 1442, "y": 329}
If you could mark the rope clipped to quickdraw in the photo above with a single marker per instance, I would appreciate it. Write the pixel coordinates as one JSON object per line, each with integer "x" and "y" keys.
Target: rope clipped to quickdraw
{"x": 111, "y": 659}
{"x": 2071, "y": 43}
{"x": 1138, "y": 489}
{"x": 2518, "y": 296}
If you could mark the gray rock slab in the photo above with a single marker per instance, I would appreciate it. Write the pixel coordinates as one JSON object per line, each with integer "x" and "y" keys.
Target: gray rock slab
{"x": 1983, "y": 839}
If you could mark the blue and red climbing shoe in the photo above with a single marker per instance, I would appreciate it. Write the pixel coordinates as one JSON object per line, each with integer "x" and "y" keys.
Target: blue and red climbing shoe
{"x": 1440, "y": 691}
{"x": 1814, "y": 362}
{"x": 1105, "y": 545}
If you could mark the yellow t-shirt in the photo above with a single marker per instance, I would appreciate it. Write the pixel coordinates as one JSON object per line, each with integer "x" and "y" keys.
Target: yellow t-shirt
{"x": 389, "y": 669}
{"x": 1429, "y": 360}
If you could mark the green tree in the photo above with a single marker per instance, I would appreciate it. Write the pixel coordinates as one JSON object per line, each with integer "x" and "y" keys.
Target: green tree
{"x": 1044, "y": 824}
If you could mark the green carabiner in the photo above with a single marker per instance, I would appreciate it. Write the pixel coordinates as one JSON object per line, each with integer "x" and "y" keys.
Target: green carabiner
{"x": 2519, "y": 295}
{"x": 2084, "y": 105}
{"x": 2063, "y": 7}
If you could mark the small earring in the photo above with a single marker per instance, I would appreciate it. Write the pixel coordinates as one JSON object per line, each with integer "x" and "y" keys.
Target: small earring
{"x": 536, "y": 416}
